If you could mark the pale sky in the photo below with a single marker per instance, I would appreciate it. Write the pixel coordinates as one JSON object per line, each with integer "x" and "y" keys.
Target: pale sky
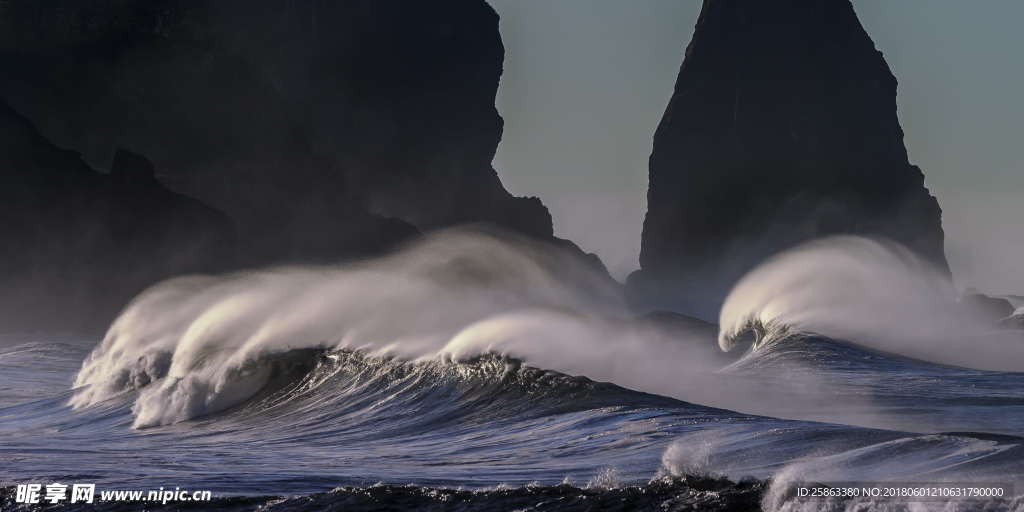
{"x": 586, "y": 82}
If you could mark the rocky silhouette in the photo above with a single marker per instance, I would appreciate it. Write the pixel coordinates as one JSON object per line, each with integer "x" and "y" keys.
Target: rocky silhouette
{"x": 996, "y": 309}
{"x": 78, "y": 243}
{"x": 782, "y": 128}
{"x": 314, "y": 125}
{"x": 325, "y": 132}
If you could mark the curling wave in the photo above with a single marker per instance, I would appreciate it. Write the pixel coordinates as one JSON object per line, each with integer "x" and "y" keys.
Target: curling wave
{"x": 452, "y": 363}
{"x": 194, "y": 346}
{"x": 870, "y": 292}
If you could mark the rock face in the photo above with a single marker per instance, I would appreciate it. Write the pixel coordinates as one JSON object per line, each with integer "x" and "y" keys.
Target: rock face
{"x": 314, "y": 125}
{"x": 996, "y": 309}
{"x": 77, "y": 244}
{"x": 782, "y": 128}
{"x": 325, "y": 131}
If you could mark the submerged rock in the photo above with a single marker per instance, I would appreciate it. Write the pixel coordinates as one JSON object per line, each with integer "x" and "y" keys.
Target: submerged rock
{"x": 782, "y": 128}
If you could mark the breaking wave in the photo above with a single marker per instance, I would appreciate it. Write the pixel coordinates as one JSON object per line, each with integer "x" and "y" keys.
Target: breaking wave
{"x": 475, "y": 360}
{"x": 873, "y": 293}
{"x": 193, "y": 346}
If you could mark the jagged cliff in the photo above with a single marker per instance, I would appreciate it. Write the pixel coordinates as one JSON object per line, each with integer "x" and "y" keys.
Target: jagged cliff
{"x": 326, "y": 131}
{"x": 782, "y": 128}
{"x": 77, "y": 244}
{"x": 309, "y": 123}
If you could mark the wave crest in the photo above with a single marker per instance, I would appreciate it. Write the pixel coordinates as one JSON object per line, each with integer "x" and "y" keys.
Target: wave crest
{"x": 194, "y": 346}
{"x": 873, "y": 293}
{"x": 197, "y": 345}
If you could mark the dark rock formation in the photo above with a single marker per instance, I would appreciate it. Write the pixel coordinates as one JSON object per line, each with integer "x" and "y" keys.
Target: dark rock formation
{"x": 782, "y": 128}
{"x": 998, "y": 310}
{"x": 78, "y": 244}
{"x": 309, "y": 123}
{"x": 1015, "y": 321}
{"x": 326, "y": 131}
{"x": 701, "y": 337}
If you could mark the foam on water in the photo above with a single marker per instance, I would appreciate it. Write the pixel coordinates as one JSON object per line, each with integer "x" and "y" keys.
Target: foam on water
{"x": 196, "y": 345}
{"x": 873, "y": 293}
{"x": 452, "y": 363}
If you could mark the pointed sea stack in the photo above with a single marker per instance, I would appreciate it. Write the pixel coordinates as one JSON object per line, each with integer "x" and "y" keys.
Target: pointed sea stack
{"x": 782, "y": 128}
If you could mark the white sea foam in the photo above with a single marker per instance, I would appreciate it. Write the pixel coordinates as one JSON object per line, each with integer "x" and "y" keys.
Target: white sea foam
{"x": 873, "y": 293}
{"x": 197, "y": 345}
{"x": 193, "y": 346}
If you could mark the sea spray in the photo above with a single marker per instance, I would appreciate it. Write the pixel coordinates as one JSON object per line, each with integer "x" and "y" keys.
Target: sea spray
{"x": 197, "y": 345}
{"x": 870, "y": 292}
{"x": 194, "y": 346}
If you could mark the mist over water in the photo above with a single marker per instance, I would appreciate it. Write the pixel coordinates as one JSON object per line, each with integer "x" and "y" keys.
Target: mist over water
{"x": 194, "y": 346}
{"x": 874, "y": 293}
{"x": 197, "y": 345}
{"x": 475, "y": 358}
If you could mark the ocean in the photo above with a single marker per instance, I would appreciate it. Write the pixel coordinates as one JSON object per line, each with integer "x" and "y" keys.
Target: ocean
{"x": 465, "y": 373}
